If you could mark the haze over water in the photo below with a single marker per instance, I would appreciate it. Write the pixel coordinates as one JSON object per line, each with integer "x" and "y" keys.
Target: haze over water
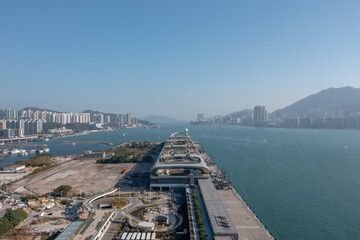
{"x": 301, "y": 183}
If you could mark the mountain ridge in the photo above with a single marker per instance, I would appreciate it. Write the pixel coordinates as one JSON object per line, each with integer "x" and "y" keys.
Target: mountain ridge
{"x": 331, "y": 99}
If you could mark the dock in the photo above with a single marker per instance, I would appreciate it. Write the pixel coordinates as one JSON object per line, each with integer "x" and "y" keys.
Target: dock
{"x": 92, "y": 142}
{"x": 244, "y": 219}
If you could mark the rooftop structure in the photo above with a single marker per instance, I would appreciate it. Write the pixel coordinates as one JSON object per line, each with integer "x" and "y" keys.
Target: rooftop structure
{"x": 179, "y": 162}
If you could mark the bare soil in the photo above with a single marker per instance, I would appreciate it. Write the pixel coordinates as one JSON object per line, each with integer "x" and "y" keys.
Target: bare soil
{"x": 83, "y": 176}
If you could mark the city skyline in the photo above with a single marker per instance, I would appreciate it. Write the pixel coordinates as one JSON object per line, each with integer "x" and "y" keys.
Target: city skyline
{"x": 174, "y": 59}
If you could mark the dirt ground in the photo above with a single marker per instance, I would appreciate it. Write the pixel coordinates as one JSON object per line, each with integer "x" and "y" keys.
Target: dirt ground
{"x": 84, "y": 176}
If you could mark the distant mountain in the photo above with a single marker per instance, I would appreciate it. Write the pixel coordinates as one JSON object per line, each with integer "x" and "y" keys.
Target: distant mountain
{"x": 240, "y": 114}
{"x": 38, "y": 109}
{"x": 160, "y": 119}
{"x": 332, "y": 99}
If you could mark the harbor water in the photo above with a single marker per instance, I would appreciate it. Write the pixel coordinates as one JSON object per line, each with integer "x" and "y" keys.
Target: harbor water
{"x": 301, "y": 183}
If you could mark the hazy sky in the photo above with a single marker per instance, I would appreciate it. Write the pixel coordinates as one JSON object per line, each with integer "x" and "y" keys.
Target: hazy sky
{"x": 175, "y": 58}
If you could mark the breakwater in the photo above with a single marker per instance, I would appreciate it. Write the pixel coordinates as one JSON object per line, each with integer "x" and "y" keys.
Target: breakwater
{"x": 93, "y": 142}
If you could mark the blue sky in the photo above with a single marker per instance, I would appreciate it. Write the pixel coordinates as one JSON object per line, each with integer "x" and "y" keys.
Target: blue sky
{"x": 174, "y": 58}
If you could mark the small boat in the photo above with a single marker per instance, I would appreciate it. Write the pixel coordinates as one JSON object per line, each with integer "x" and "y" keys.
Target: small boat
{"x": 15, "y": 152}
{"x": 42, "y": 150}
{"x": 19, "y": 152}
{"x": 23, "y": 152}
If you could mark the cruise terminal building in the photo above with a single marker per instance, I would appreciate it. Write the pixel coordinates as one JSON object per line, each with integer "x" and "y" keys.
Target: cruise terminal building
{"x": 180, "y": 165}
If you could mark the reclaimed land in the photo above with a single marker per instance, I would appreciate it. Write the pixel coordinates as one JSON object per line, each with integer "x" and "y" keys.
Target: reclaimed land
{"x": 86, "y": 175}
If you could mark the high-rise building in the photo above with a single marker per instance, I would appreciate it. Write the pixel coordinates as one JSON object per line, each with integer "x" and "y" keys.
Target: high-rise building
{"x": 2, "y": 125}
{"x": 11, "y": 113}
{"x": 128, "y": 118}
{"x": 108, "y": 119}
{"x": 200, "y": 116}
{"x": 122, "y": 119}
{"x": 135, "y": 120}
{"x": 260, "y": 116}
{"x": 99, "y": 118}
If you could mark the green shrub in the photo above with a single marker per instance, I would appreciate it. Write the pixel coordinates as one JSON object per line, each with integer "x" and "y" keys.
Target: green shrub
{"x": 12, "y": 219}
{"x": 62, "y": 190}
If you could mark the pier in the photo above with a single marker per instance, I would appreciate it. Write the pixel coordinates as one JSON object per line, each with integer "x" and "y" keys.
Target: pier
{"x": 245, "y": 221}
{"x": 93, "y": 142}
{"x": 183, "y": 162}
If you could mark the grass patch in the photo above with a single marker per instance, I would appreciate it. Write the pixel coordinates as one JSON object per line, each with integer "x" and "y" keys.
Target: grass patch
{"x": 199, "y": 218}
{"x": 143, "y": 199}
{"x": 132, "y": 152}
{"x": 41, "y": 160}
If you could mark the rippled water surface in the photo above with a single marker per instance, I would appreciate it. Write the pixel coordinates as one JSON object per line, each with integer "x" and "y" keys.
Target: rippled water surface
{"x": 301, "y": 183}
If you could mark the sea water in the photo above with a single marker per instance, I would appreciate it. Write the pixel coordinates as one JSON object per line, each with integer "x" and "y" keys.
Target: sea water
{"x": 301, "y": 183}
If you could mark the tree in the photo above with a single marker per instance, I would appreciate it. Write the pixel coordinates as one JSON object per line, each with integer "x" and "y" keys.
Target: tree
{"x": 28, "y": 197}
{"x": 15, "y": 217}
{"x": 65, "y": 202}
{"x": 62, "y": 190}
{"x": 4, "y": 226}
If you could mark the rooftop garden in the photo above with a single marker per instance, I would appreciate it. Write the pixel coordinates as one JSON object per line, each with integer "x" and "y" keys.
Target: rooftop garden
{"x": 185, "y": 159}
{"x": 132, "y": 152}
{"x": 173, "y": 172}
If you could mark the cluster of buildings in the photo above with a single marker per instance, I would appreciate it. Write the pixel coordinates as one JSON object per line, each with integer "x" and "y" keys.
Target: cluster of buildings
{"x": 69, "y": 117}
{"x": 27, "y": 122}
{"x": 314, "y": 118}
{"x": 10, "y": 128}
{"x": 259, "y": 117}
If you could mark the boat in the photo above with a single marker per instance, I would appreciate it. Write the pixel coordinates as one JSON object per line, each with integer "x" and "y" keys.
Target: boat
{"x": 42, "y": 150}
{"x": 14, "y": 152}
{"x": 20, "y": 152}
{"x": 23, "y": 152}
